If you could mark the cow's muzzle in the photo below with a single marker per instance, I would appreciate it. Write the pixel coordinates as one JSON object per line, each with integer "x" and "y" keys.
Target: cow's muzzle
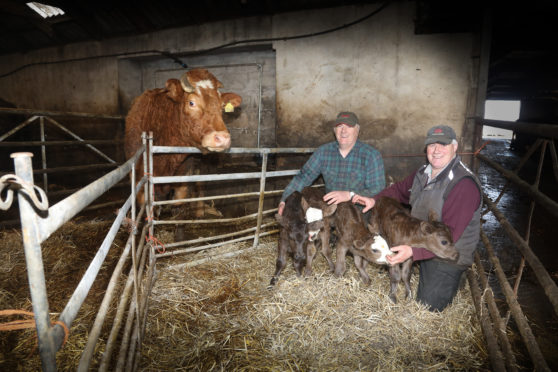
{"x": 217, "y": 141}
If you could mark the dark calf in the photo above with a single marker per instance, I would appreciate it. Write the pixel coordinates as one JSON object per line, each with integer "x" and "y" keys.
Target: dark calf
{"x": 293, "y": 236}
{"x": 365, "y": 245}
{"x": 317, "y": 214}
{"x": 397, "y": 226}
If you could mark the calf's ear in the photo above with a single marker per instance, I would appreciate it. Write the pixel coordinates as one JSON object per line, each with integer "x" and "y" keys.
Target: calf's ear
{"x": 373, "y": 226}
{"x": 432, "y": 215}
{"x": 426, "y": 227}
{"x": 329, "y": 210}
{"x": 359, "y": 243}
{"x": 304, "y": 204}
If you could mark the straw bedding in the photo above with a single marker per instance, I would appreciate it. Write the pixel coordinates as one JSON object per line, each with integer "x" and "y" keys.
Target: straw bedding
{"x": 220, "y": 315}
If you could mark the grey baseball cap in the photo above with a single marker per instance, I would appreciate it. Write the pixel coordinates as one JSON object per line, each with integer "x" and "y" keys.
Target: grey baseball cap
{"x": 440, "y": 134}
{"x": 347, "y": 118}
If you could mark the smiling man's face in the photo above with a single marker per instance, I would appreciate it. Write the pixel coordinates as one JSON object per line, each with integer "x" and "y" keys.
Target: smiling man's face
{"x": 346, "y": 135}
{"x": 440, "y": 155}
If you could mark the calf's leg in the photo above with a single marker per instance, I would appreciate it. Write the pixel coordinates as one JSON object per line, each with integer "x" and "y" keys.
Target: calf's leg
{"x": 310, "y": 255}
{"x": 281, "y": 262}
{"x": 340, "y": 253}
{"x": 326, "y": 250}
{"x": 360, "y": 264}
{"x": 406, "y": 270}
{"x": 394, "y": 278}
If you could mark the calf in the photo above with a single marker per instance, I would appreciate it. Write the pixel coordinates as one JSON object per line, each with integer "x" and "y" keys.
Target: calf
{"x": 394, "y": 222}
{"x": 317, "y": 214}
{"x": 365, "y": 245}
{"x": 293, "y": 236}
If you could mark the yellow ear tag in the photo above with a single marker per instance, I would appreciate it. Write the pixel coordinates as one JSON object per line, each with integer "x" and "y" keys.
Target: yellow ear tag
{"x": 229, "y": 107}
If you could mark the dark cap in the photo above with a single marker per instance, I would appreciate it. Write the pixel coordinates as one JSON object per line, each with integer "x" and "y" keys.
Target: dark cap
{"x": 347, "y": 118}
{"x": 440, "y": 134}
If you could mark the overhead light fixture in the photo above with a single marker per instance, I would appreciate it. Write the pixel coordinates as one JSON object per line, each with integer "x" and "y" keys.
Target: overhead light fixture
{"x": 45, "y": 11}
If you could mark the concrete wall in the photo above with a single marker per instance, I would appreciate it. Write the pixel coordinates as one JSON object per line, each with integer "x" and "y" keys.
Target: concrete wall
{"x": 398, "y": 83}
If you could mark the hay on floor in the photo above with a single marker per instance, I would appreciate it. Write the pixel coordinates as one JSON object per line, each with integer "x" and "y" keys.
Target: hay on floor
{"x": 220, "y": 315}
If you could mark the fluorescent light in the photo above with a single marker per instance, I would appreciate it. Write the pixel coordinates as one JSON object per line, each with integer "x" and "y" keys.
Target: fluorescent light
{"x": 45, "y": 11}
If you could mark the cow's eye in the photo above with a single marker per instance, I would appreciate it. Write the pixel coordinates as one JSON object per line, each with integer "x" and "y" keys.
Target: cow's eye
{"x": 192, "y": 103}
{"x": 444, "y": 242}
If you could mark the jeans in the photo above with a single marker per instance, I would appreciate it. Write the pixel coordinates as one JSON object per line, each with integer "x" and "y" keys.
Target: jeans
{"x": 438, "y": 283}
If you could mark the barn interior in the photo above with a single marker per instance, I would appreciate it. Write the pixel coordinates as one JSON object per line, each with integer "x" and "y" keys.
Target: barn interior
{"x": 403, "y": 66}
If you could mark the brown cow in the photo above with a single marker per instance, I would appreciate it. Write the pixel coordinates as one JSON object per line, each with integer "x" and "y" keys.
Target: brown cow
{"x": 393, "y": 221}
{"x": 317, "y": 214}
{"x": 293, "y": 236}
{"x": 364, "y": 244}
{"x": 187, "y": 112}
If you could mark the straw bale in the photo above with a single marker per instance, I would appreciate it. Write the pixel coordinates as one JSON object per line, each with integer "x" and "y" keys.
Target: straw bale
{"x": 220, "y": 315}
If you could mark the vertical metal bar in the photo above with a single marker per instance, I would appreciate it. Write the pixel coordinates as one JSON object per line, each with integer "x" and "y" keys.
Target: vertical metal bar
{"x": 43, "y": 154}
{"x": 34, "y": 262}
{"x": 260, "y": 204}
{"x": 134, "y": 258}
{"x": 260, "y": 78}
{"x": 151, "y": 194}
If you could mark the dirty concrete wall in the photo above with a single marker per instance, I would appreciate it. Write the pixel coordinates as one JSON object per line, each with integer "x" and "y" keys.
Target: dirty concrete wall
{"x": 397, "y": 82}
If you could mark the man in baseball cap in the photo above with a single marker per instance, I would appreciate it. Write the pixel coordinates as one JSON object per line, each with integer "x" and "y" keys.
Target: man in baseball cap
{"x": 347, "y": 118}
{"x": 348, "y": 166}
{"x": 440, "y": 134}
{"x": 445, "y": 186}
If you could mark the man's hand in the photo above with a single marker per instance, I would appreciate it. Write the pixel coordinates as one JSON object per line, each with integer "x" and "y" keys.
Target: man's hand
{"x": 366, "y": 201}
{"x": 336, "y": 197}
{"x": 402, "y": 253}
{"x": 280, "y": 208}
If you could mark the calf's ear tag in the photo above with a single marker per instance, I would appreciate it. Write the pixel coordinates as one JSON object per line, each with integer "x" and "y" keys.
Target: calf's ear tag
{"x": 229, "y": 107}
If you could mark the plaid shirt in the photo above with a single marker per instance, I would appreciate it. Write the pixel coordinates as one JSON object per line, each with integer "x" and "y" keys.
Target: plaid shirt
{"x": 362, "y": 171}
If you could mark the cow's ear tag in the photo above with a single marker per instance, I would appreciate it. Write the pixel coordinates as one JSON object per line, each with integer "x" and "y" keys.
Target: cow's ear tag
{"x": 229, "y": 107}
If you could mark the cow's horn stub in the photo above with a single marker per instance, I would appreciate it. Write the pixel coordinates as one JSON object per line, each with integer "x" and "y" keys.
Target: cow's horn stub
{"x": 185, "y": 83}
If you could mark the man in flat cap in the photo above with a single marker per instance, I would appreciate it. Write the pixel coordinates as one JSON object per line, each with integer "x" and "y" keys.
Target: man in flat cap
{"x": 446, "y": 186}
{"x": 349, "y": 167}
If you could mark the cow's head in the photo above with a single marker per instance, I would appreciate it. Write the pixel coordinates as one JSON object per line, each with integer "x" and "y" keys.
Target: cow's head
{"x": 202, "y": 108}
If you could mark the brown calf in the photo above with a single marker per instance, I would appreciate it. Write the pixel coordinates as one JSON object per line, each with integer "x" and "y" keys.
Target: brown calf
{"x": 364, "y": 244}
{"x": 317, "y": 214}
{"x": 293, "y": 236}
{"x": 390, "y": 219}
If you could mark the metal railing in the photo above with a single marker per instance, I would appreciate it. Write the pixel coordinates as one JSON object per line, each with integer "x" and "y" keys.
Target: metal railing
{"x": 493, "y": 324}
{"x": 44, "y": 118}
{"x": 39, "y": 221}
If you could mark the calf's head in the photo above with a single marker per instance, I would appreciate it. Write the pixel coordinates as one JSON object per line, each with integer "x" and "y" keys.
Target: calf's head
{"x": 438, "y": 237}
{"x": 296, "y": 232}
{"x": 374, "y": 248}
{"x": 201, "y": 109}
{"x": 315, "y": 217}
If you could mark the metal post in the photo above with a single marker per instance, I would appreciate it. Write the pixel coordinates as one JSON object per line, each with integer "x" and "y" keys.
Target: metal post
{"x": 260, "y": 204}
{"x": 34, "y": 261}
{"x": 43, "y": 154}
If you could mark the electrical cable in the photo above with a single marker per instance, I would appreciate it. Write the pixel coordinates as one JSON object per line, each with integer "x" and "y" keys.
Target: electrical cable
{"x": 184, "y": 65}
